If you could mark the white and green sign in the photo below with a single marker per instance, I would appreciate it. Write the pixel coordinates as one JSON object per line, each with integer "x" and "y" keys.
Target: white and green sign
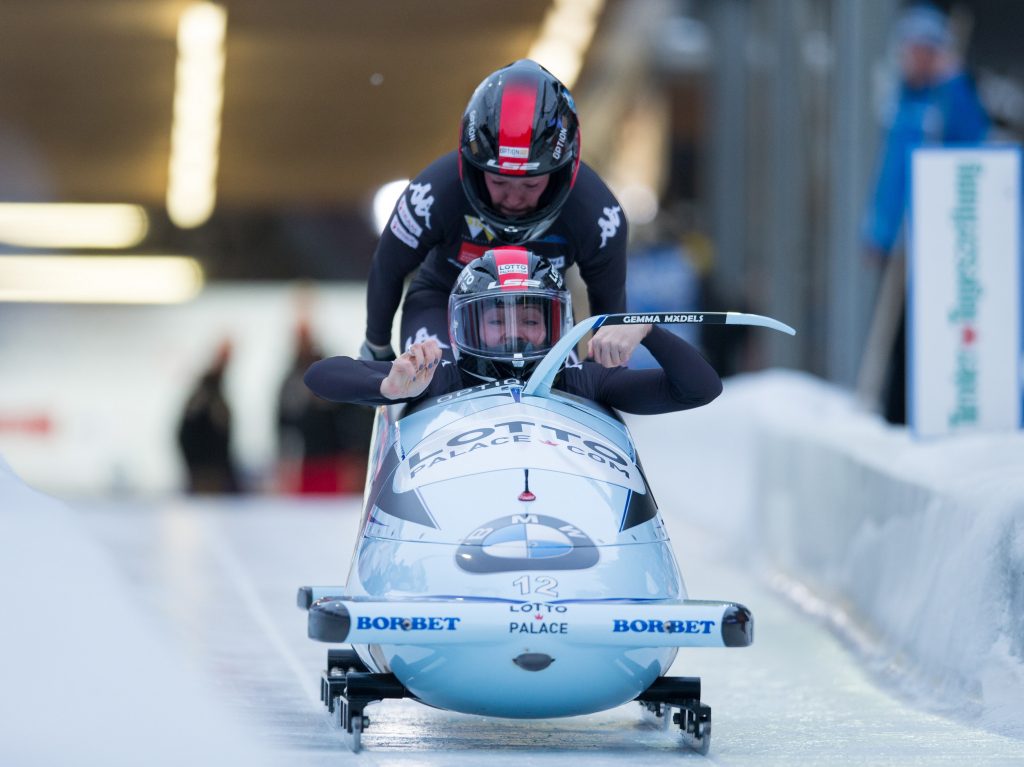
{"x": 964, "y": 312}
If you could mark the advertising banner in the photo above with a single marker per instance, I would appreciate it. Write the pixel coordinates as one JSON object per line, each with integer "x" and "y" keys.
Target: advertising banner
{"x": 964, "y": 290}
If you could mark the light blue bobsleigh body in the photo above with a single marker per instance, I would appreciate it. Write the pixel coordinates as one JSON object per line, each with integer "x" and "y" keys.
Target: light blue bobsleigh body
{"x": 512, "y": 562}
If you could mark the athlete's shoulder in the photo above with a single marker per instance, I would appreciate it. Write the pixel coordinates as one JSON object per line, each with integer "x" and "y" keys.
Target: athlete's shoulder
{"x": 590, "y": 189}
{"x": 432, "y": 203}
{"x": 444, "y": 171}
{"x": 592, "y": 213}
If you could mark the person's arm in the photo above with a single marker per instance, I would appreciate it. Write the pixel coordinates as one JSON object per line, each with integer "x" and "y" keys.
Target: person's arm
{"x": 604, "y": 272}
{"x": 966, "y": 119}
{"x": 612, "y": 346}
{"x": 600, "y": 230}
{"x": 343, "y": 379}
{"x": 605, "y": 277}
{"x": 392, "y": 262}
{"x": 686, "y": 380}
{"x": 369, "y": 382}
{"x": 602, "y": 233}
{"x": 884, "y": 215}
{"x": 416, "y": 225}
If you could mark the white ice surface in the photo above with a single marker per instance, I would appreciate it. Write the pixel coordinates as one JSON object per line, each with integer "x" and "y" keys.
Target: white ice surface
{"x": 86, "y": 677}
{"x": 167, "y": 633}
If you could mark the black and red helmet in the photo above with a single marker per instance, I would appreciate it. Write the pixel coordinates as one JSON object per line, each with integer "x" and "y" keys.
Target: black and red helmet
{"x": 520, "y": 121}
{"x": 506, "y": 311}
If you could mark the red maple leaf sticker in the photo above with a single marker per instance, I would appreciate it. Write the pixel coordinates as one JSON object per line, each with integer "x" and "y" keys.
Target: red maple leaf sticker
{"x": 969, "y": 335}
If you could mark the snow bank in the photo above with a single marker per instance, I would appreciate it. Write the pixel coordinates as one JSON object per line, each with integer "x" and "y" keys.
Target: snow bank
{"x": 913, "y": 550}
{"x": 85, "y": 679}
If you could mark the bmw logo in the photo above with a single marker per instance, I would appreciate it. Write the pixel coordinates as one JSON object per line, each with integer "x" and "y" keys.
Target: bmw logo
{"x": 526, "y": 542}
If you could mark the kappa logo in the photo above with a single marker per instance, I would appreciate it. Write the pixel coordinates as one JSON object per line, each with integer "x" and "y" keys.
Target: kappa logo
{"x": 526, "y": 542}
{"x": 609, "y": 223}
{"x": 423, "y": 335}
{"x": 421, "y": 202}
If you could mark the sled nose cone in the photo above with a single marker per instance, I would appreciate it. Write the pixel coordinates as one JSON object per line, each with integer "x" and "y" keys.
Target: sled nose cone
{"x": 737, "y": 627}
{"x": 533, "y": 661}
{"x": 329, "y": 621}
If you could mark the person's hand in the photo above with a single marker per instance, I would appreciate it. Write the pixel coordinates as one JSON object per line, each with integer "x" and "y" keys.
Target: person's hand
{"x": 412, "y": 372}
{"x": 612, "y": 345}
{"x": 370, "y": 351}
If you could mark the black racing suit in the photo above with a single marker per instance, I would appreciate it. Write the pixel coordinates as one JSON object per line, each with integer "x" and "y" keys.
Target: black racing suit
{"x": 433, "y": 227}
{"x": 685, "y": 380}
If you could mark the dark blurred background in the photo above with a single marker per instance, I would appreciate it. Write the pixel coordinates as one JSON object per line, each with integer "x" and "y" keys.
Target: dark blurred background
{"x": 747, "y": 128}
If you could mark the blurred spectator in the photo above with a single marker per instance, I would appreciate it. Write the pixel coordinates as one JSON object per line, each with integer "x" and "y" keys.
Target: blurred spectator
{"x": 935, "y": 103}
{"x": 671, "y": 267}
{"x": 204, "y": 434}
{"x": 323, "y": 446}
{"x": 661, "y": 278}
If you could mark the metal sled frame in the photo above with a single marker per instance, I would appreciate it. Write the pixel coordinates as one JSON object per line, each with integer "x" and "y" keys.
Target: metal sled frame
{"x": 347, "y": 687}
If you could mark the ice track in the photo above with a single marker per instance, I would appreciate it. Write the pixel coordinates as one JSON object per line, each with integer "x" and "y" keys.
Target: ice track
{"x": 218, "y": 579}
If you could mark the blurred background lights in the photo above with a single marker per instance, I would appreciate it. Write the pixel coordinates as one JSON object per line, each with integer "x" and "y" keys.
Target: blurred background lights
{"x": 198, "y": 100}
{"x": 72, "y": 225}
{"x": 639, "y": 202}
{"x": 384, "y": 202}
{"x": 42, "y": 278}
{"x": 565, "y": 36}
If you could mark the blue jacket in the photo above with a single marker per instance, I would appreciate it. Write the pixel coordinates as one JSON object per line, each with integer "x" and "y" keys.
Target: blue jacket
{"x": 946, "y": 113}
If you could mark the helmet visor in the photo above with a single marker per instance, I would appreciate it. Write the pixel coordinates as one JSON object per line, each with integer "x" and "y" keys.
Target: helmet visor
{"x": 508, "y": 325}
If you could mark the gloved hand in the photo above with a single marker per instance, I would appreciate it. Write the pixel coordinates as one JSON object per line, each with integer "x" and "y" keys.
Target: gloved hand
{"x": 370, "y": 351}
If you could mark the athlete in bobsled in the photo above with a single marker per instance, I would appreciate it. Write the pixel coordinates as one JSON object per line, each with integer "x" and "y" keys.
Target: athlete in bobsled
{"x": 512, "y": 560}
{"x": 517, "y": 177}
{"x": 507, "y": 310}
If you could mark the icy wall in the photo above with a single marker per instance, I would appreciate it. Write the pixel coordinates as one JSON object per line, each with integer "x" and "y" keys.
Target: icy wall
{"x": 914, "y": 551}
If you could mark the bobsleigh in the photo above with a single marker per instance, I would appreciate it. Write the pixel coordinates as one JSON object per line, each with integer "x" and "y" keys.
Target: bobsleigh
{"x": 511, "y": 562}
